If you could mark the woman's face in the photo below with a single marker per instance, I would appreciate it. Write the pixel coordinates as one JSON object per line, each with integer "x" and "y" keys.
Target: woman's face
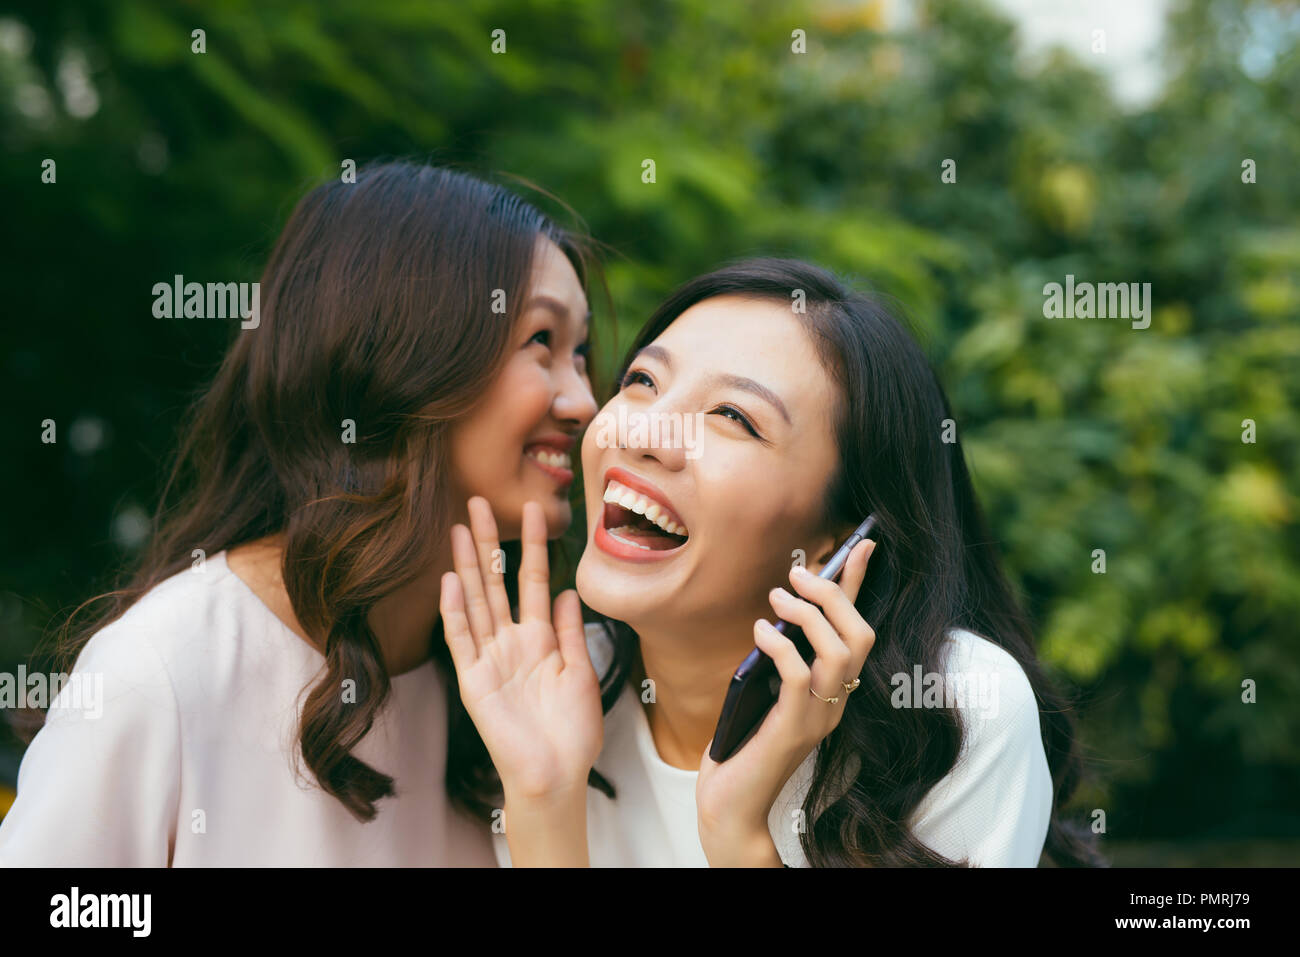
{"x": 515, "y": 445}
{"x": 743, "y": 454}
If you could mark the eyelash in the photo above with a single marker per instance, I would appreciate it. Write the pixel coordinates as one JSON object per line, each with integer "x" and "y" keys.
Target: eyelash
{"x": 740, "y": 418}
{"x": 583, "y": 350}
{"x": 630, "y": 376}
{"x": 633, "y": 375}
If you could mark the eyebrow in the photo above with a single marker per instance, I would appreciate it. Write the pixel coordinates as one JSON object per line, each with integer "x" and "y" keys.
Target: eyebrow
{"x": 725, "y": 379}
{"x": 555, "y": 306}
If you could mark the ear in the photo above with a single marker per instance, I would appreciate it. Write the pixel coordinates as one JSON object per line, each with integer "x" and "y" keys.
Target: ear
{"x": 825, "y": 546}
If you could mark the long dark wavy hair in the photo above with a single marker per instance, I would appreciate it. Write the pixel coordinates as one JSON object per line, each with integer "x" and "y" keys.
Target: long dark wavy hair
{"x": 376, "y": 306}
{"x": 938, "y": 569}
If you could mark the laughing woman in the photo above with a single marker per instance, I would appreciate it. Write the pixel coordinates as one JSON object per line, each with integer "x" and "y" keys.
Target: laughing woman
{"x": 808, "y": 421}
{"x": 270, "y": 694}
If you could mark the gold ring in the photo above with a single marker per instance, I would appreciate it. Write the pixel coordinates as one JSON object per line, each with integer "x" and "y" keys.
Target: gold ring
{"x": 850, "y": 688}
{"x": 820, "y": 698}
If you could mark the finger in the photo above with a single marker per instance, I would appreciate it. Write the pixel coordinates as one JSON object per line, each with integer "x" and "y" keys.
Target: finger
{"x": 794, "y": 672}
{"x": 855, "y": 630}
{"x": 795, "y": 712}
{"x": 570, "y": 632}
{"x": 837, "y": 604}
{"x": 465, "y": 561}
{"x": 491, "y": 559}
{"x": 455, "y": 625}
{"x": 833, "y": 656}
{"x": 534, "y": 573}
{"x": 855, "y": 569}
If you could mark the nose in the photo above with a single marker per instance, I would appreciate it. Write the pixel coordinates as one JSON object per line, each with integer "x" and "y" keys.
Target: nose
{"x": 573, "y": 404}
{"x": 657, "y": 433}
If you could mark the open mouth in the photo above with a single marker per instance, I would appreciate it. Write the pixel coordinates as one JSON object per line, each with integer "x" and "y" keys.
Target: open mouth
{"x": 633, "y": 518}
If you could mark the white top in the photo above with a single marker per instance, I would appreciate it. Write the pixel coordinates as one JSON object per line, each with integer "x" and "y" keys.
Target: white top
{"x": 992, "y": 808}
{"x": 189, "y": 762}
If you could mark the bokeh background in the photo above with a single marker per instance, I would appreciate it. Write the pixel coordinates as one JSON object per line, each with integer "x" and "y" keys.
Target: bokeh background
{"x": 1122, "y": 165}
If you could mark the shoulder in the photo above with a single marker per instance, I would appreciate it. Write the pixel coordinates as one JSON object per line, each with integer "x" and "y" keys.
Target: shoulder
{"x": 988, "y": 682}
{"x": 121, "y": 679}
{"x": 165, "y": 620}
{"x": 966, "y": 648}
{"x": 187, "y": 626}
{"x": 998, "y": 710}
{"x": 994, "y": 806}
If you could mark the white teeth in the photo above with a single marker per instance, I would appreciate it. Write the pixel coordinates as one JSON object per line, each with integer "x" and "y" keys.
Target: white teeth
{"x": 627, "y": 530}
{"x": 667, "y": 524}
{"x": 557, "y": 460}
{"x": 624, "y": 497}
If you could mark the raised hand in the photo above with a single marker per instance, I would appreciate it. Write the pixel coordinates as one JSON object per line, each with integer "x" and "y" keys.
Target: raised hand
{"x": 529, "y": 686}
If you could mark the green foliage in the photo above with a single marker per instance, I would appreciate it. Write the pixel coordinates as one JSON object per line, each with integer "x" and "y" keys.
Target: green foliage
{"x": 1083, "y": 434}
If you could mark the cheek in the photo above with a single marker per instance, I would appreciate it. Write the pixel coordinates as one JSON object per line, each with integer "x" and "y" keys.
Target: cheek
{"x": 748, "y": 521}
{"x": 589, "y": 451}
{"x": 487, "y": 446}
{"x": 755, "y": 520}
{"x": 478, "y": 460}
{"x": 521, "y": 399}
{"x": 594, "y": 442}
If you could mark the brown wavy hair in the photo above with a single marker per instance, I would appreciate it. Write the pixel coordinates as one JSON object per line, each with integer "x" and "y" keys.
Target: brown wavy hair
{"x": 376, "y": 306}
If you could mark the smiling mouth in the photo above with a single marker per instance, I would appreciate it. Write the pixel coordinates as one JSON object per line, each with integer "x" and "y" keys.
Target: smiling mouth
{"x": 634, "y": 519}
{"x": 552, "y": 461}
{"x": 549, "y": 457}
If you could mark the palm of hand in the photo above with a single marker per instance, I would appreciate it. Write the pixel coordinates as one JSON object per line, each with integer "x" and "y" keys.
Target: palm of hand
{"x": 528, "y": 685}
{"x": 534, "y": 710}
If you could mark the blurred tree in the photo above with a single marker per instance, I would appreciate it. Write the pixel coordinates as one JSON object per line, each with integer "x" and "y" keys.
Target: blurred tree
{"x": 1083, "y": 434}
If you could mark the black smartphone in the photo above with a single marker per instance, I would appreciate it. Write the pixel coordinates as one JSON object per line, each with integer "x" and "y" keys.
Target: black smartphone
{"x": 755, "y": 685}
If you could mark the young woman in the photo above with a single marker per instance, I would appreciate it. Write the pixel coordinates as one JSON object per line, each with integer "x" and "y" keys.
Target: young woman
{"x": 814, "y": 408}
{"x": 269, "y": 695}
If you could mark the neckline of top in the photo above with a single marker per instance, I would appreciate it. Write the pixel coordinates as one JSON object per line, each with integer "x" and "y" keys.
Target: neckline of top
{"x": 265, "y": 610}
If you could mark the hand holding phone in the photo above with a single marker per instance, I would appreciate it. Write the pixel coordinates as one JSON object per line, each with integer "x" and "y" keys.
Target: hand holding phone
{"x": 755, "y": 685}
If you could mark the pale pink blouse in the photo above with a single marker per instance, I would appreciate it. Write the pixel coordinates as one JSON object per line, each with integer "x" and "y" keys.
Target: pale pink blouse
{"x": 187, "y": 755}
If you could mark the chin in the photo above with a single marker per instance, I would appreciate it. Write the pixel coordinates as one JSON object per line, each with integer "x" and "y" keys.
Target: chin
{"x": 559, "y": 516}
{"x": 606, "y": 595}
{"x": 510, "y": 516}
{"x": 596, "y": 598}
